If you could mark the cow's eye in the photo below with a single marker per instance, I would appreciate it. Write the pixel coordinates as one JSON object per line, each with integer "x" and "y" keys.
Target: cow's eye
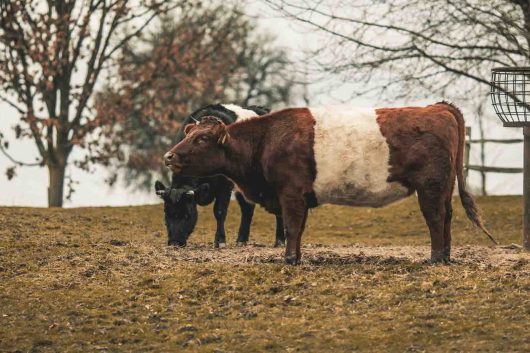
{"x": 203, "y": 139}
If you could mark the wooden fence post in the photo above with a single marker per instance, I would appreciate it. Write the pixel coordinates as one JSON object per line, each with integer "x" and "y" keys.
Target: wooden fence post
{"x": 526, "y": 189}
{"x": 467, "y": 149}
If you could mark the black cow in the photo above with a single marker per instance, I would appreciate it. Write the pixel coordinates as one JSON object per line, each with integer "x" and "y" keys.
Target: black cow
{"x": 185, "y": 193}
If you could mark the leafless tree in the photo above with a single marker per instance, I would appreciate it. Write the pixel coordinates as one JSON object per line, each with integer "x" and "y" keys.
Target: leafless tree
{"x": 416, "y": 48}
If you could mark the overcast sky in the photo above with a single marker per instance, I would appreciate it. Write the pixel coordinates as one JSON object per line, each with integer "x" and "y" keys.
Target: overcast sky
{"x": 29, "y": 187}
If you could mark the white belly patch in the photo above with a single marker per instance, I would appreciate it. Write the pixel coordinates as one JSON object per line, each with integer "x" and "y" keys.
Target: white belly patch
{"x": 352, "y": 159}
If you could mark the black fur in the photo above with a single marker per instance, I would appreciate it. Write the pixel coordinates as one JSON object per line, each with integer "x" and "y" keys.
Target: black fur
{"x": 180, "y": 205}
{"x": 310, "y": 199}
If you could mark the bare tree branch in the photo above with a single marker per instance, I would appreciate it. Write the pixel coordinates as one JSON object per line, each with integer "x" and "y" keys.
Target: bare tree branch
{"x": 17, "y": 162}
{"x": 399, "y": 41}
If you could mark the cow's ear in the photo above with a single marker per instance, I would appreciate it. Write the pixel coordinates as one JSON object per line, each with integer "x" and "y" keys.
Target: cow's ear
{"x": 159, "y": 186}
{"x": 160, "y": 189}
{"x": 188, "y": 128}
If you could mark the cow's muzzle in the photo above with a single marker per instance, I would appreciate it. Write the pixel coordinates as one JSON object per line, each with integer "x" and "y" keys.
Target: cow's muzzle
{"x": 168, "y": 158}
{"x": 172, "y": 161}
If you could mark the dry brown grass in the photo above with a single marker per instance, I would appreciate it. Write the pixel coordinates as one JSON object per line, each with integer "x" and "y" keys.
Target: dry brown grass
{"x": 102, "y": 279}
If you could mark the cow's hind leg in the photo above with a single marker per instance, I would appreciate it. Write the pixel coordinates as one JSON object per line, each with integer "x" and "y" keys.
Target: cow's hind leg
{"x": 432, "y": 175}
{"x": 448, "y": 216}
{"x": 432, "y": 206}
{"x": 447, "y": 229}
{"x": 220, "y": 209}
{"x": 247, "y": 212}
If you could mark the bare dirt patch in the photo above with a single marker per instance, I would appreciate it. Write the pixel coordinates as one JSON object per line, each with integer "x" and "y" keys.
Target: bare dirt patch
{"x": 315, "y": 255}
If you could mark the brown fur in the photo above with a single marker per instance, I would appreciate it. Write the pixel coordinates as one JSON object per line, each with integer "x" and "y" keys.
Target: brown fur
{"x": 426, "y": 155}
{"x": 269, "y": 151}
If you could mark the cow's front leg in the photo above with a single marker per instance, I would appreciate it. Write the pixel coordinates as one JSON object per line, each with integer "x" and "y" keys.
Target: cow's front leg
{"x": 247, "y": 212}
{"x": 220, "y": 209}
{"x": 294, "y": 213}
{"x": 280, "y": 235}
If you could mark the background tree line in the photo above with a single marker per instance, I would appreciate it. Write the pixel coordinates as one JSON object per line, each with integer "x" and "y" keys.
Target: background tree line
{"x": 114, "y": 78}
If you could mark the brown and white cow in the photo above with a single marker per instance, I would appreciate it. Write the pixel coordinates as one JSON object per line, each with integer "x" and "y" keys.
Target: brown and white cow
{"x": 294, "y": 159}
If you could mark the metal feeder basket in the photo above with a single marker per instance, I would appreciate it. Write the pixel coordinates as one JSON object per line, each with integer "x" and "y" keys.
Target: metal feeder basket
{"x": 510, "y": 95}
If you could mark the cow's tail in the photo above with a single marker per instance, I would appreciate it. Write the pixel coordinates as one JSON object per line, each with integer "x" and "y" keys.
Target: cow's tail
{"x": 472, "y": 210}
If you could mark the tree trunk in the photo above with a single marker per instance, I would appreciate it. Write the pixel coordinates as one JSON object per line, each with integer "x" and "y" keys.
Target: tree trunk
{"x": 56, "y": 184}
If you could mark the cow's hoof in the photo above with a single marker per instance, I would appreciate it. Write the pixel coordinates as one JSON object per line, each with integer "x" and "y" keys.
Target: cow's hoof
{"x": 440, "y": 259}
{"x": 291, "y": 260}
{"x": 219, "y": 245}
{"x": 241, "y": 243}
{"x": 279, "y": 243}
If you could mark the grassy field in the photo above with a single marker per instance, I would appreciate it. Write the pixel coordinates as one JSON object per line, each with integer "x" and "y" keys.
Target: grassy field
{"x": 102, "y": 279}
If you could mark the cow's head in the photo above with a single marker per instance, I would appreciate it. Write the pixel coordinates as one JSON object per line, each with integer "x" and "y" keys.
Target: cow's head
{"x": 201, "y": 152}
{"x": 180, "y": 210}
